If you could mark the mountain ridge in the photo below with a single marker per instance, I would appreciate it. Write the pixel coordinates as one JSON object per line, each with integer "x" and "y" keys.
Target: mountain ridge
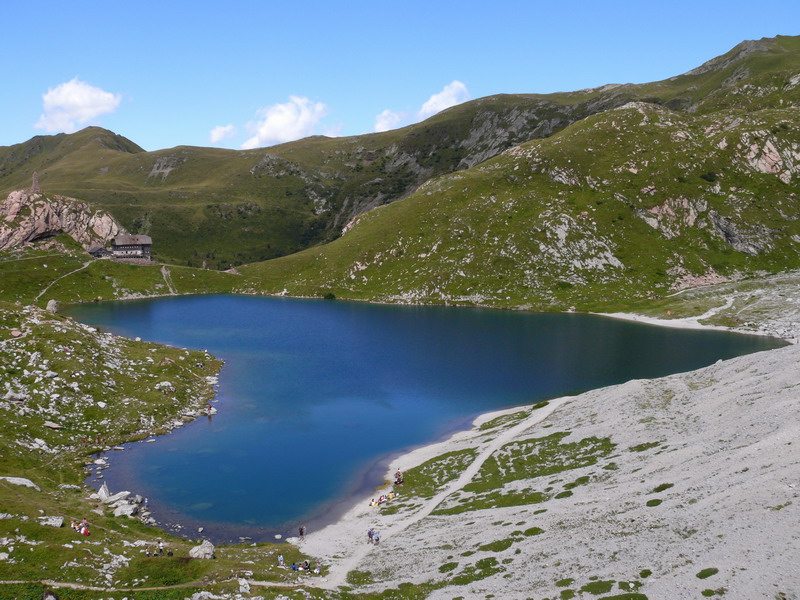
{"x": 252, "y": 205}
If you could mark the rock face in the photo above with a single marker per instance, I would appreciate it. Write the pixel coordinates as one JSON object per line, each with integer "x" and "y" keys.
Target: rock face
{"x": 204, "y": 550}
{"x": 27, "y": 217}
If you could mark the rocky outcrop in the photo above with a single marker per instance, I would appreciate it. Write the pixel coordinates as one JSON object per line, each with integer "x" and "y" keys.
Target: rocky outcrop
{"x": 27, "y": 218}
{"x": 673, "y": 216}
{"x": 21, "y": 481}
{"x": 757, "y": 239}
{"x": 204, "y": 550}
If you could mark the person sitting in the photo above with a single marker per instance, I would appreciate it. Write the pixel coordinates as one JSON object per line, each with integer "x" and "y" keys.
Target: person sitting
{"x": 294, "y": 566}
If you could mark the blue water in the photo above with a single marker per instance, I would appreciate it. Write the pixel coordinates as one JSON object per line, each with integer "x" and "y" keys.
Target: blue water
{"x": 316, "y": 396}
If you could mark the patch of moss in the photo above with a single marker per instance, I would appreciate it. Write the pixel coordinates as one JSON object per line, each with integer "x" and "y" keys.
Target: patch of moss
{"x": 447, "y": 567}
{"x": 598, "y": 587}
{"x": 706, "y": 573}
{"x": 654, "y": 502}
{"x": 579, "y": 481}
{"x": 661, "y": 488}
{"x": 497, "y": 546}
{"x": 643, "y": 447}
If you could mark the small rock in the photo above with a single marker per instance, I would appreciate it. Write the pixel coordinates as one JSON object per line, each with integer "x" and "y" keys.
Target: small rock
{"x": 52, "y": 425}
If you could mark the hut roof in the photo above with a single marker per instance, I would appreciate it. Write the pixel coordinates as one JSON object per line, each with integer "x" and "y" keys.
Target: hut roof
{"x": 126, "y": 240}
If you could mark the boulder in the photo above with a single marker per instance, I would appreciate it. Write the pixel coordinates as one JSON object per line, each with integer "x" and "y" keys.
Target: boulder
{"x": 126, "y": 510}
{"x": 116, "y": 497}
{"x": 204, "y": 550}
{"x": 103, "y": 493}
{"x": 52, "y": 306}
{"x": 21, "y": 481}
{"x": 51, "y": 521}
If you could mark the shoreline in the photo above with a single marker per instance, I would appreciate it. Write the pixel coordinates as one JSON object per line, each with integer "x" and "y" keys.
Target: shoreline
{"x": 337, "y": 510}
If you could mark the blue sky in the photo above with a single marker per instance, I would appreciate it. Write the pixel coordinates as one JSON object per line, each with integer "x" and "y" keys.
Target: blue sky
{"x": 170, "y": 73}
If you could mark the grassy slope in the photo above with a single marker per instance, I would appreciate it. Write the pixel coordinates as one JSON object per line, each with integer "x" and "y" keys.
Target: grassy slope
{"x": 539, "y": 226}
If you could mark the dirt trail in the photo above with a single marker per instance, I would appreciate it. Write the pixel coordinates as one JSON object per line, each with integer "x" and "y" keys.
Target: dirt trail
{"x": 52, "y": 283}
{"x": 168, "y": 279}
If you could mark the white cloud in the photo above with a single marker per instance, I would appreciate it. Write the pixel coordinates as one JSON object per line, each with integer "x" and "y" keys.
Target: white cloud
{"x": 387, "y": 120}
{"x": 222, "y": 132}
{"x": 285, "y": 122}
{"x": 74, "y": 103}
{"x": 452, "y": 94}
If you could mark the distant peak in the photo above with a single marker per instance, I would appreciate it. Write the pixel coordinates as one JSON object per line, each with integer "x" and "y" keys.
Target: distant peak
{"x": 737, "y": 53}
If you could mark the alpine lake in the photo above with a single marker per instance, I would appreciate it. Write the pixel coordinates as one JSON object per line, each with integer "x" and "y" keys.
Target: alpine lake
{"x": 318, "y": 398}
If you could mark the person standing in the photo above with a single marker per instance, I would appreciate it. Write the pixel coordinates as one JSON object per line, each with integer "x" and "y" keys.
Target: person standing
{"x": 302, "y": 532}
{"x": 370, "y": 533}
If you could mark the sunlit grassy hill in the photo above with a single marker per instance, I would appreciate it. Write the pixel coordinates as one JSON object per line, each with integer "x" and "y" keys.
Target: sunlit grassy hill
{"x": 628, "y": 204}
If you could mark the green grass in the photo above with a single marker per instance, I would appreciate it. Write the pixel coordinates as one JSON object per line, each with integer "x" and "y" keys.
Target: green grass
{"x": 425, "y": 480}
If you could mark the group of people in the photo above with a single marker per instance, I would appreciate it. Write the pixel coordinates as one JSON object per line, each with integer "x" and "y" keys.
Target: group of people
{"x": 373, "y": 536}
{"x": 99, "y": 440}
{"x": 157, "y": 551}
{"x": 81, "y": 526}
{"x": 384, "y": 498}
{"x": 303, "y": 566}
